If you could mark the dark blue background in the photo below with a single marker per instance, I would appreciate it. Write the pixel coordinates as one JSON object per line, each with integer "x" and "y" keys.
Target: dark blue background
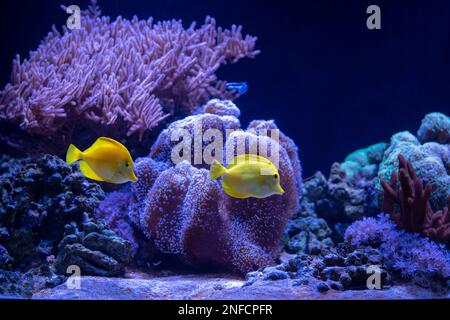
{"x": 329, "y": 82}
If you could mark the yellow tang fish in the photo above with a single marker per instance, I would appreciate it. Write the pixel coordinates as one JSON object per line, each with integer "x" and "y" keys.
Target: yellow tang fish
{"x": 106, "y": 160}
{"x": 247, "y": 176}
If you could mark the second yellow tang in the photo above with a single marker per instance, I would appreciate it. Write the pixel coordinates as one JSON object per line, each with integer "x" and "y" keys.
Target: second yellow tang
{"x": 106, "y": 160}
{"x": 247, "y": 176}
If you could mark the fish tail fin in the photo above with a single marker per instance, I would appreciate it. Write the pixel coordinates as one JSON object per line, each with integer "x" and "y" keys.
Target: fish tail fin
{"x": 217, "y": 170}
{"x": 73, "y": 154}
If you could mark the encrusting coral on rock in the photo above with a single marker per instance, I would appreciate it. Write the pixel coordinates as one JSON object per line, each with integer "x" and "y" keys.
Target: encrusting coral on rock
{"x": 23, "y": 284}
{"x": 364, "y": 162}
{"x": 373, "y": 242}
{"x": 435, "y": 127}
{"x": 353, "y": 189}
{"x": 415, "y": 257}
{"x": 352, "y": 192}
{"x": 307, "y": 234}
{"x": 95, "y": 249}
{"x": 343, "y": 268}
{"x": 191, "y": 208}
{"x": 430, "y": 160}
{"x": 118, "y": 78}
{"x": 342, "y": 198}
{"x": 45, "y": 206}
{"x": 185, "y": 213}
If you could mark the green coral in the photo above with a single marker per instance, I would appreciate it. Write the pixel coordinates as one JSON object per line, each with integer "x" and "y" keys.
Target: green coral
{"x": 435, "y": 127}
{"x": 364, "y": 161}
{"x": 431, "y": 161}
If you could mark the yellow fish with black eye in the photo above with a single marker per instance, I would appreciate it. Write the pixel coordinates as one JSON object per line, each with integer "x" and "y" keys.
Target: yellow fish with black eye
{"x": 248, "y": 176}
{"x": 106, "y": 160}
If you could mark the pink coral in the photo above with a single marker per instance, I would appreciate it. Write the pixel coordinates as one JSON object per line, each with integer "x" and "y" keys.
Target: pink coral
{"x": 125, "y": 74}
{"x": 183, "y": 212}
{"x": 218, "y": 114}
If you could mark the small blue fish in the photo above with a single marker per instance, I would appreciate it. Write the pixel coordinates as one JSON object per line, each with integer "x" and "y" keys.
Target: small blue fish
{"x": 239, "y": 87}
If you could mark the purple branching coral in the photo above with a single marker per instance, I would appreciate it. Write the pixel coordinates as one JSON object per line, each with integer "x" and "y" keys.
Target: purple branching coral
{"x": 127, "y": 75}
{"x": 413, "y": 256}
{"x": 185, "y": 213}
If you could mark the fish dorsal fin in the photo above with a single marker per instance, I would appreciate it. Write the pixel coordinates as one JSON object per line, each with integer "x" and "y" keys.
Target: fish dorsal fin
{"x": 248, "y": 158}
{"x": 104, "y": 141}
{"x": 88, "y": 172}
{"x": 110, "y": 141}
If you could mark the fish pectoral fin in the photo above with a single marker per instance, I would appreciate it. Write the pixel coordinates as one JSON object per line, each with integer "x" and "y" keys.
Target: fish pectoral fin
{"x": 231, "y": 192}
{"x": 88, "y": 172}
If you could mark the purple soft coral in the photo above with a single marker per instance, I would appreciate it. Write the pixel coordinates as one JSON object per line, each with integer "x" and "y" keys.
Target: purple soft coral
{"x": 117, "y": 74}
{"x": 412, "y": 255}
{"x": 182, "y": 211}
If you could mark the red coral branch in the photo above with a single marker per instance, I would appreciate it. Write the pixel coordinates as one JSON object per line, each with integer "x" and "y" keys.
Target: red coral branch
{"x": 406, "y": 190}
{"x": 437, "y": 225}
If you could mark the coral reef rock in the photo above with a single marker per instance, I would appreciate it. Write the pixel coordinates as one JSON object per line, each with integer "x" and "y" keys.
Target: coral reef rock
{"x": 307, "y": 234}
{"x": 353, "y": 189}
{"x": 346, "y": 199}
{"x": 41, "y": 197}
{"x": 115, "y": 78}
{"x": 185, "y": 213}
{"x": 343, "y": 268}
{"x": 95, "y": 249}
{"x": 114, "y": 210}
{"x": 435, "y": 127}
{"x": 415, "y": 257}
{"x": 328, "y": 206}
{"x": 341, "y": 199}
{"x": 16, "y": 284}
